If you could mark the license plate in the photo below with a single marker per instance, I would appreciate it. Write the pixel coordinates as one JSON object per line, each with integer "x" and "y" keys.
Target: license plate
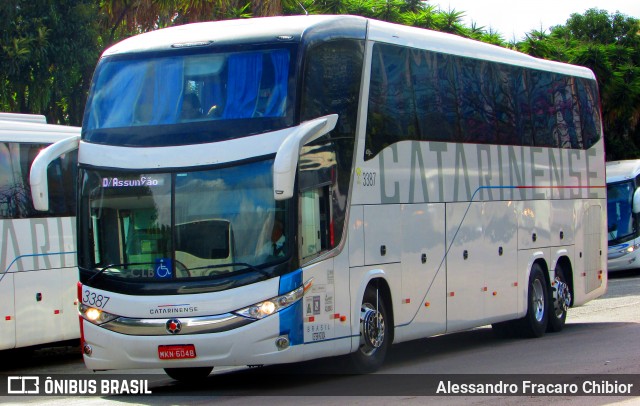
{"x": 176, "y": 351}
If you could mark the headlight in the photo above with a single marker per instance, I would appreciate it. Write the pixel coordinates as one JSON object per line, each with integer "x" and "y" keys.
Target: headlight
{"x": 275, "y": 304}
{"x": 632, "y": 248}
{"x": 95, "y": 316}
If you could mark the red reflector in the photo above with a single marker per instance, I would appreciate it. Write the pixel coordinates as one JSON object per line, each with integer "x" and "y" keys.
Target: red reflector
{"x": 336, "y": 316}
{"x": 452, "y": 294}
{"x": 311, "y": 319}
{"x": 7, "y": 318}
{"x": 176, "y": 351}
{"x": 584, "y": 274}
{"x": 484, "y": 289}
{"x": 56, "y": 312}
{"x": 515, "y": 283}
{"x": 407, "y": 300}
{"x": 79, "y": 291}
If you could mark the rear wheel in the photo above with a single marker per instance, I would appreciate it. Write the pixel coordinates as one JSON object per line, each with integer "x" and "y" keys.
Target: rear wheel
{"x": 534, "y": 323}
{"x": 374, "y": 333}
{"x": 560, "y": 301}
{"x": 189, "y": 374}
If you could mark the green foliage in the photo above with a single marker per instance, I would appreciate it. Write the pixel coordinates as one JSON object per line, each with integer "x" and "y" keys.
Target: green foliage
{"x": 48, "y": 50}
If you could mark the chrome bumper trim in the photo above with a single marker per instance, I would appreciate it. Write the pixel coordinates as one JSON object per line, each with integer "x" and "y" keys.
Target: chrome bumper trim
{"x": 190, "y": 325}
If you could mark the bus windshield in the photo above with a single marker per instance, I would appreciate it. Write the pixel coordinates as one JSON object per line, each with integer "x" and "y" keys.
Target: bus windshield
{"x": 184, "y": 225}
{"x": 621, "y": 224}
{"x": 215, "y": 89}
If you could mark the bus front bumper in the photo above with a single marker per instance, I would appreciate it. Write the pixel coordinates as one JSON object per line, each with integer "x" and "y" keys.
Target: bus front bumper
{"x": 623, "y": 257}
{"x": 252, "y": 344}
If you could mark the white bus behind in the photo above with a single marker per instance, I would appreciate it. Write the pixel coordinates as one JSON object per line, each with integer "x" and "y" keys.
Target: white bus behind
{"x": 38, "y": 271}
{"x": 623, "y": 208}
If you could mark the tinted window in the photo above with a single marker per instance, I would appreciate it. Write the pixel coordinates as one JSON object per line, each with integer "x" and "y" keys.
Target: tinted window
{"x": 423, "y": 95}
{"x": 15, "y": 193}
{"x": 331, "y": 85}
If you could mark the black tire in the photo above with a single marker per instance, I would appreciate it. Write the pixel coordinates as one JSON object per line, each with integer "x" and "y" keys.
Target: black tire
{"x": 534, "y": 323}
{"x": 189, "y": 375}
{"x": 375, "y": 333}
{"x": 560, "y": 301}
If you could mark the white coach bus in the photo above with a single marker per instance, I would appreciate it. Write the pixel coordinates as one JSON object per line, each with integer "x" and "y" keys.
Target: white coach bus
{"x": 38, "y": 271}
{"x": 280, "y": 189}
{"x": 623, "y": 208}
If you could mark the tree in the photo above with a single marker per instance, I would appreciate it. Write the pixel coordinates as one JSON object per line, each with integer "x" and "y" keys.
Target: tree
{"x": 44, "y": 69}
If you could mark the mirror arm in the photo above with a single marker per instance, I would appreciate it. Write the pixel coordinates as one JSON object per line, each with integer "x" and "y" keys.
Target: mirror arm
{"x": 635, "y": 204}
{"x": 38, "y": 174}
{"x": 286, "y": 162}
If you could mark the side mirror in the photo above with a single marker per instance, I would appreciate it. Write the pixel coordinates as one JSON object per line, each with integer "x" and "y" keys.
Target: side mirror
{"x": 636, "y": 201}
{"x": 286, "y": 162}
{"x": 38, "y": 174}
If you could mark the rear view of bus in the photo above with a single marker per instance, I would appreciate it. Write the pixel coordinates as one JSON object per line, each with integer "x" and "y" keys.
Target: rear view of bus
{"x": 623, "y": 214}
{"x": 38, "y": 270}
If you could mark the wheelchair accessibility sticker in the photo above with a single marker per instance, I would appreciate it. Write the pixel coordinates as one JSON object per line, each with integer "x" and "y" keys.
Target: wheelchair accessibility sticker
{"x": 162, "y": 268}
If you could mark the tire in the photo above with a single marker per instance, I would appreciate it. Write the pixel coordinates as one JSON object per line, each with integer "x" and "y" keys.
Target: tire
{"x": 375, "y": 334}
{"x": 560, "y": 301}
{"x": 189, "y": 375}
{"x": 534, "y": 323}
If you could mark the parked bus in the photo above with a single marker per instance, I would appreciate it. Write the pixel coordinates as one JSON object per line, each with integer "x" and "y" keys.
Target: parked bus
{"x": 38, "y": 271}
{"x": 374, "y": 183}
{"x": 623, "y": 206}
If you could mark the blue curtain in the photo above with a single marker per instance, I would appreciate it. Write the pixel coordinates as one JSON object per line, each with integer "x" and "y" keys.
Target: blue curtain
{"x": 114, "y": 104}
{"x": 167, "y": 91}
{"x": 244, "y": 73}
{"x": 276, "y": 105}
{"x": 126, "y": 89}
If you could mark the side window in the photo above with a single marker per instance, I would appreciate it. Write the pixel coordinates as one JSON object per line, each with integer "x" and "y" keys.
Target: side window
{"x": 15, "y": 193}
{"x": 317, "y": 200}
{"x": 589, "y": 112}
{"x": 315, "y": 220}
{"x": 62, "y": 178}
{"x": 331, "y": 85}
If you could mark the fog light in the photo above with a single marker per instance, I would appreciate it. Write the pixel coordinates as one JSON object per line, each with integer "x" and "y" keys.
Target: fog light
{"x": 87, "y": 350}
{"x": 282, "y": 343}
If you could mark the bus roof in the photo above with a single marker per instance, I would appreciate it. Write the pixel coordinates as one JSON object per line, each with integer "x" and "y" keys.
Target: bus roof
{"x": 618, "y": 171}
{"x": 20, "y": 131}
{"x": 293, "y": 28}
{"x": 453, "y": 44}
{"x": 27, "y": 118}
{"x": 253, "y": 30}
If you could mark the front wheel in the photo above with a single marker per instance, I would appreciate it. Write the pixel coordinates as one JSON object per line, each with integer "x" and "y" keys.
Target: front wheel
{"x": 374, "y": 333}
{"x": 534, "y": 323}
{"x": 187, "y": 375}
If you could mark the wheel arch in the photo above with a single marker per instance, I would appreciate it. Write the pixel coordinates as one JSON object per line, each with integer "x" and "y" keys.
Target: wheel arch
{"x": 545, "y": 270}
{"x": 380, "y": 283}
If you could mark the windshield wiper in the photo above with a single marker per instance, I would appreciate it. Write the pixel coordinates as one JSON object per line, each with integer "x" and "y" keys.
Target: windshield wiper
{"x": 246, "y": 265}
{"x": 118, "y": 265}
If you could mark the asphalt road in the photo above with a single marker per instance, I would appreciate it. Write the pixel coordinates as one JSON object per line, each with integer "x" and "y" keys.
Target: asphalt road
{"x": 600, "y": 340}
